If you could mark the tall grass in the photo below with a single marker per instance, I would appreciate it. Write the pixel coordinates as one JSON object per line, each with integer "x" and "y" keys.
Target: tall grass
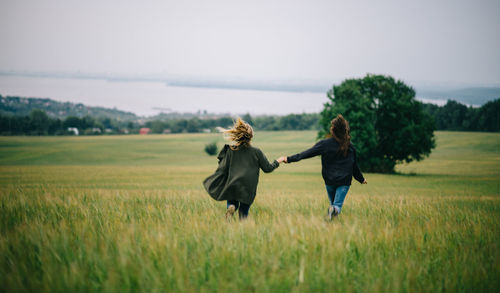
{"x": 130, "y": 214}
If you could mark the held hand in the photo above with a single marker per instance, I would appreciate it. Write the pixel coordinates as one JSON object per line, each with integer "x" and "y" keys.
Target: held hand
{"x": 364, "y": 182}
{"x": 281, "y": 159}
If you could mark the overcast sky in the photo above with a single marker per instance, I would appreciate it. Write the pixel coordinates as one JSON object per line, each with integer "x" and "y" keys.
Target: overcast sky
{"x": 436, "y": 41}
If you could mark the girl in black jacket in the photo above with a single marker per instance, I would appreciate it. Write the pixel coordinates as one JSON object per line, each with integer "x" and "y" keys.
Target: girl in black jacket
{"x": 338, "y": 160}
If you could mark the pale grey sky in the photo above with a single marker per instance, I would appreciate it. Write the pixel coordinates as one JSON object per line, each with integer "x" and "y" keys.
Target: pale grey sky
{"x": 436, "y": 41}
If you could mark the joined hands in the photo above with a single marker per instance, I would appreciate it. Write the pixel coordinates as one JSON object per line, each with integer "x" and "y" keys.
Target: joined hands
{"x": 282, "y": 159}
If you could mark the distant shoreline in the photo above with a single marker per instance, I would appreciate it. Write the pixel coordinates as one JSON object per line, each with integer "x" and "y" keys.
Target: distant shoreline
{"x": 471, "y": 96}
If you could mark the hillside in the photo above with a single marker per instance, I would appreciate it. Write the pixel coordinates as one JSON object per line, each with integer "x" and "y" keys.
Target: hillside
{"x": 20, "y": 106}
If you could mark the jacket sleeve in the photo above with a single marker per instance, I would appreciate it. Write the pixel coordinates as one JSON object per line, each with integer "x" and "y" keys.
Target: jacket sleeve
{"x": 264, "y": 163}
{"x": 356, "y": 172}
{"x": 316, "y": 150}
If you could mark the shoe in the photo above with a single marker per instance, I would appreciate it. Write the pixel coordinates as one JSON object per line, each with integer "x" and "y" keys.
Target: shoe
{"x": 332, "y": 212}
{"x": 230, "y": 212}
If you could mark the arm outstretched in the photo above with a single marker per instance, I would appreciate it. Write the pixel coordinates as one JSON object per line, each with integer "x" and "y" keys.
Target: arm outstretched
{"x": 316, "y": 150}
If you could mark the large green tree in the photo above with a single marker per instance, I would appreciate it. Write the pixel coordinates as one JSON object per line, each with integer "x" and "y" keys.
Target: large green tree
{"x": 387, "y": 124}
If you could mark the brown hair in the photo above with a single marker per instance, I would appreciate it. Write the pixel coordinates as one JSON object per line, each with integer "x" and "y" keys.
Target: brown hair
{"x": 341, "y": 132}
{"x": 240, "y": 135}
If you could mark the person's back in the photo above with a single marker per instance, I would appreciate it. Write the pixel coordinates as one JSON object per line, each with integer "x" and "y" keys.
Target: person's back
{"x": 237, "y": 177}
{"x": 244, "y": 166}
{"x": 337, "y": 168}
{"x": 338, "y": 161}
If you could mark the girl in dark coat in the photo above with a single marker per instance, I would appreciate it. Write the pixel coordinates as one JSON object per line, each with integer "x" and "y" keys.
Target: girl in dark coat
{"x": 338, "y": 160}
{"x": 239, "y": 167}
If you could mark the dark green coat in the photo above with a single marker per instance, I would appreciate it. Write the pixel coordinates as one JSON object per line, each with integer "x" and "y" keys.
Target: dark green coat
{"x": 237, "y": 175}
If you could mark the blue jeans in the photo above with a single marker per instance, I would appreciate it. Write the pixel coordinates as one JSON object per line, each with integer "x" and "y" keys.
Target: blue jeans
{"x": 243, "y": 208}
{"x": 337, "y": 195}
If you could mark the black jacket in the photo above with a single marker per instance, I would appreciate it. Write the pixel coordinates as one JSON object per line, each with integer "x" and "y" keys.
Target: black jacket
{"x": 336, "y": 169}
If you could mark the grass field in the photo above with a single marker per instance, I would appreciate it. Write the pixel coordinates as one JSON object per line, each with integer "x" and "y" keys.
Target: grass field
{"x": 129, "y": 213}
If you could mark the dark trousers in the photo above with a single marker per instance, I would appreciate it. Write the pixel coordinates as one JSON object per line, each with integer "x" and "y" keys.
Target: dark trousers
{"x": 242, "y": 208}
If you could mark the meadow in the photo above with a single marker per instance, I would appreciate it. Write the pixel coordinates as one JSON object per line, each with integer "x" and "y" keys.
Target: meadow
{"x": 129, "y": 213}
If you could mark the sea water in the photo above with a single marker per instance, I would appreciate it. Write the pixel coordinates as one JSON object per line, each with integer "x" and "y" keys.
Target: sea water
{"x": 146, "y": 98}
{"x": 149, "y": 98}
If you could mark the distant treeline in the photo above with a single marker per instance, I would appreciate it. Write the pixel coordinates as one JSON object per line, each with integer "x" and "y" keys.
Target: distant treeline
{"x": 452, "y": 116}
{"x": 39, "y": 123}
{"x": 456, "y": 116}
{"x": 289, "y": 122}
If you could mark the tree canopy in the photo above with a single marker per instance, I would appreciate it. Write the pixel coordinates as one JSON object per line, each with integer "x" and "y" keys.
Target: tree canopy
{"x": 387, "y": 123}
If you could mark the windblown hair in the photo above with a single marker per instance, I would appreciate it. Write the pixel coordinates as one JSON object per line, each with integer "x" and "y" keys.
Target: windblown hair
{"x": 240, "y": 135}
{"x": 341, "y": 132}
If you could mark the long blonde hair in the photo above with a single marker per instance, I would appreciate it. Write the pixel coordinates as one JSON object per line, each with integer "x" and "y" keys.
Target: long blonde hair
{"x": 240, "y": 135}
